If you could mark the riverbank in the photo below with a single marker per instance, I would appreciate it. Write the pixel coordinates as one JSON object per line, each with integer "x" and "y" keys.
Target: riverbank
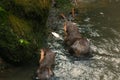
{"x": 100, "y": 24}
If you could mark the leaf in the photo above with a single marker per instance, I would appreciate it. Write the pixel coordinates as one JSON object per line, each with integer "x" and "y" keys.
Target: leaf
{"x": 1, "y": 9}
{"x": 22, "y": 41}
{"x": 55, "y": 34}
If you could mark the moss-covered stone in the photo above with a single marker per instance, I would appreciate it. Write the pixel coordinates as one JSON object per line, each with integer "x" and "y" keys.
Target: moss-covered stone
{"x": 22, "y": 28}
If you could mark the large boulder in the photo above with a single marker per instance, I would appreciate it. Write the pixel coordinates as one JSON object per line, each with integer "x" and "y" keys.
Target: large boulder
{"x": 22, "y": 28}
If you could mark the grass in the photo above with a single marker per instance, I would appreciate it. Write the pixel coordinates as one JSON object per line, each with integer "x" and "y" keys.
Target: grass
{"x": 20, "y": 26}
{"x": 39, "y": 6}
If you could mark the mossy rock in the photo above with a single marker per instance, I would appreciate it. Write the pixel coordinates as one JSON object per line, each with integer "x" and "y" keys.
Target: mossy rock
{"x": 22, "y": 30}
{"x": 14, "y": 46}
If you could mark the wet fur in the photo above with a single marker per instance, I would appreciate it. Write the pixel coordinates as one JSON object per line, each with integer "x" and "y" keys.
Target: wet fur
{"x": 73, "y": 39}
{"x": 49, "y": 58}
{"x": 45, "y": 71}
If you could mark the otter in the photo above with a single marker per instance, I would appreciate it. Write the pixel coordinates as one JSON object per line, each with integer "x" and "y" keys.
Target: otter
{"x": 47, "y": 60}
{"x": 77, "y": 45}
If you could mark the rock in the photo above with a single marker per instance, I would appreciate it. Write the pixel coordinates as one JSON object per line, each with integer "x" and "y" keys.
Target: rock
{"x": 22, "y": 29}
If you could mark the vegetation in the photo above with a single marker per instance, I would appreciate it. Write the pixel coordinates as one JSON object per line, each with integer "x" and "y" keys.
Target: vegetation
{"x": 64, "y": 5}
{"x": 22, "y": 29}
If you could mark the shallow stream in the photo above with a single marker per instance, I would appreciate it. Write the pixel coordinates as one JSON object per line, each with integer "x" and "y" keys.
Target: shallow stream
{"x": 101, "y": 25}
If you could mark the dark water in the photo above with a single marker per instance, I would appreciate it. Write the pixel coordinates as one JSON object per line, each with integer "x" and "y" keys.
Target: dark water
{"x": 101, "y": 25}
{"x": 18, "y": 73}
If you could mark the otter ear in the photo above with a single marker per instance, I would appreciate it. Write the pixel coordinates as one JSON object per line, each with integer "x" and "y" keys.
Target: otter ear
{"x": 63, "y": 16}
{"x": 41, "y": 55}
{"x": 73, "y": 12}
{"x": 41, "y": 50}
{"x": 65, "y": 27}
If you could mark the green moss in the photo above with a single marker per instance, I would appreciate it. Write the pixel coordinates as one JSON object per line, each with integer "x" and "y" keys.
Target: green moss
{"x": 20, "y": 26}
{"x": 38, "y": 6}
{"x": 22, "y": 29}
{"x": 1, "y": 9}
{"x": 15, "y": 48}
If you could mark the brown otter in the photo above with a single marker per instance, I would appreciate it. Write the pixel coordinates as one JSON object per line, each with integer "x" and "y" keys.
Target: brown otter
{"x": 74, "y": 40}
{"x": 47, "y": 59}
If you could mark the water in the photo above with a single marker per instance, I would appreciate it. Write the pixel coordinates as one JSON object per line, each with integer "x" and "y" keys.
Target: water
{"x": 18, "y": 73}
{"x": 100, "y": 24}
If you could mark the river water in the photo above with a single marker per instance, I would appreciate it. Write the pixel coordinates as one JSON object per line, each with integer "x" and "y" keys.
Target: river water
{"x": 101, "y": 25}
